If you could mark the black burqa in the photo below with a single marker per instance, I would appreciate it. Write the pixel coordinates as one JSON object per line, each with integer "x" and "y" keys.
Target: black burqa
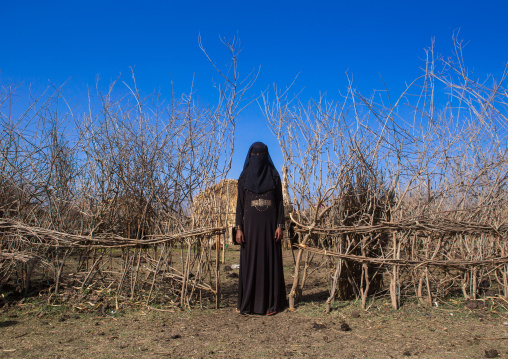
{"x": 259, "y": 211}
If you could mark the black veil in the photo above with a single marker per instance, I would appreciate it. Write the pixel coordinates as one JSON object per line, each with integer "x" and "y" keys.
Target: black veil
{"x": 258, "y": 171}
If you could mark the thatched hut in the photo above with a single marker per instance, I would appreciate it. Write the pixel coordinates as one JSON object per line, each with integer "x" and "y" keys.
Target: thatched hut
{"x": 216, "y": 206}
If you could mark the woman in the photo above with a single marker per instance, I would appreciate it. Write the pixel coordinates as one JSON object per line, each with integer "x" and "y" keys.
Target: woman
{"x": 259, "y": 224}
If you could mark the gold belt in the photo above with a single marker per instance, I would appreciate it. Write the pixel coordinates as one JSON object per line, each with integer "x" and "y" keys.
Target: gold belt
{"x": 261, "y": 202}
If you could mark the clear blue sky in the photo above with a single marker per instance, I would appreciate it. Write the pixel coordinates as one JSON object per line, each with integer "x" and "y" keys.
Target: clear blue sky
{"x": 320, "y": 40}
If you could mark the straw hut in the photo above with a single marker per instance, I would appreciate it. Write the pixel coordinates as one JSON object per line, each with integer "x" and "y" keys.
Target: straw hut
{"x": 216, "y": 206}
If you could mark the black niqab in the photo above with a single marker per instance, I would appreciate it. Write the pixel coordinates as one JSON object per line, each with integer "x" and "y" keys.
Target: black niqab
{"x": 259, "y": 171}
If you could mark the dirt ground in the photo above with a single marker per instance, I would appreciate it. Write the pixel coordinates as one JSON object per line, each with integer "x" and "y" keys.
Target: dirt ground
{"x": 33, "y": 328}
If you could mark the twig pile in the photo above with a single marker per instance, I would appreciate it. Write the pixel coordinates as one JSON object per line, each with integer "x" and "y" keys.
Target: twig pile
{"x": 413, "y": 191}
{"x": 111, "y": 199}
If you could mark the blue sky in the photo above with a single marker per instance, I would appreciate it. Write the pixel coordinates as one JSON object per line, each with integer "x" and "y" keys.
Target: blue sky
{"x": 319, "y": 40}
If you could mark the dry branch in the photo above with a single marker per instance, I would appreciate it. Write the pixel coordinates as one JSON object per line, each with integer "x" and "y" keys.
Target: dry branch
{"x": 42, "y": 236}
{"x": 406, "y": 262}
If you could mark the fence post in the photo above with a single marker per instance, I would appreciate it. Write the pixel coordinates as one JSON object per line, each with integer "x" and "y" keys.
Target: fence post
{"x": 217, "y": 272}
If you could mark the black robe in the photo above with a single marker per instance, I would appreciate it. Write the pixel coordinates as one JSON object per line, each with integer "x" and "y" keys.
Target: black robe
{"x": 261, "y": 286}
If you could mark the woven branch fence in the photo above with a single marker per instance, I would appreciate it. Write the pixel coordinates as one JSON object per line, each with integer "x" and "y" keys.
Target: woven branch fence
{"x": 427, "y": 258}
{"x": 132, "y": 268}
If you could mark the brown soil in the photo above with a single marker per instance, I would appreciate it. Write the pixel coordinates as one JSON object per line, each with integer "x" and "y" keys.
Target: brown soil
{"x": 92, "y": 327}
